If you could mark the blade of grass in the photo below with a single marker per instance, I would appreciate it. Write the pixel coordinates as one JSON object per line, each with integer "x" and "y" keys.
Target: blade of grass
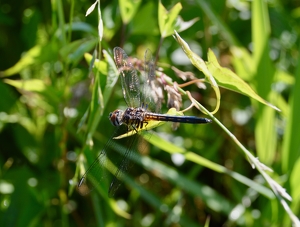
{"x": 291, "y": 142}
{"x": 210, "y": 196}
{"x": 265, "y": 133}
{"x": 193, "y": 157}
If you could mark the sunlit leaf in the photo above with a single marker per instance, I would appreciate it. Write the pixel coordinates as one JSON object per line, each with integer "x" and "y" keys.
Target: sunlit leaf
{"x": 224, "y": 77}
{"x": 35, "y": 85}
{"x": 200, "y": 64}
{"x": 228, "y": 79}
{"x": 291, "y": 142}
{"x": 101, "y": 66}
{"x": 36, "y": 55}
{"x": 91, "y": 8}
{"x": 128, "y": 9}
{"x": 167, "y": 19}
{"x": 295, "y": 184}
{"x": 184, "y": 25}
{"x": 265, "y": 128}
{"x": 284, "y": 77}
{"x": 242, "y": 62}
{"x": 25, "y": 61}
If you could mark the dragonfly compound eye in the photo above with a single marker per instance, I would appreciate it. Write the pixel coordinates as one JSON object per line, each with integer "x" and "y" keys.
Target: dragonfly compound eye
{"x": 116, "y": 117}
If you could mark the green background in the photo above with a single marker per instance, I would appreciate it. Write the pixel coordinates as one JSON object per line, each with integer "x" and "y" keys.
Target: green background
{"x": 54, "y": 108}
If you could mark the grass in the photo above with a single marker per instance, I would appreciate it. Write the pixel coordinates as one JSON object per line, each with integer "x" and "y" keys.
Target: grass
{"x": 59, "y": 82}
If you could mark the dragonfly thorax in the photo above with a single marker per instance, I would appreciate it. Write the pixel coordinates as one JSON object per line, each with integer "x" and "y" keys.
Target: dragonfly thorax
{"x": 133, "y": 117}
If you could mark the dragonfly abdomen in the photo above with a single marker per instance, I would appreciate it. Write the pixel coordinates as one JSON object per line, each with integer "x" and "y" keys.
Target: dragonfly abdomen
{"x": 181, "y": 119}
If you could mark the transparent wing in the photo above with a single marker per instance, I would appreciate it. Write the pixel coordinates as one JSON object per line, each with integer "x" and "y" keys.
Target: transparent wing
{"x": 134, "y": 144}
{"x": 152, "y": 96}
{"x": 129, "y": 78}
{"x": 124, "y": 165}
{"x": 114, "y": 159}
{"x": 96, "y": 173}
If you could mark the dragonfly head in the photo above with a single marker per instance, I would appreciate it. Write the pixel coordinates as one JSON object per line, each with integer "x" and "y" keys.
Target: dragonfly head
{"x": 116, "y": 117}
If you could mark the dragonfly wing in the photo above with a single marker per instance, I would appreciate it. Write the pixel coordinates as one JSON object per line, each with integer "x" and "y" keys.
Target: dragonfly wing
{"x": 124, "y": 165}
{"x": 149, "y": 66}
{"x": 94, "y": 174}
{"x": 129, "y": 78}
{"x": 97, "y": 175}
{"x": 152, "y": 91}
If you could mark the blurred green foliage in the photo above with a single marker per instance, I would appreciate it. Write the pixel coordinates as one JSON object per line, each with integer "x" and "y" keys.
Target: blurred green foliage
{"x": 54, "y": 108}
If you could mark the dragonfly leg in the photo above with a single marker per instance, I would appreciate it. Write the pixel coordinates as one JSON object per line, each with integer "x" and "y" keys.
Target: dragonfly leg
{"x": 134, "y": 127}
{"x": 146, "y": 123}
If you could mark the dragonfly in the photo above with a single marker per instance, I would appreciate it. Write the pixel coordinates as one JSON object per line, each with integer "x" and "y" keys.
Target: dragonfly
{"x": 141, "y": 110}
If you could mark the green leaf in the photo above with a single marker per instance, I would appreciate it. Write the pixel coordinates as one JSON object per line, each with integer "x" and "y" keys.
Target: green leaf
{"x": 294, "y": 179}
{"x": 74, "y": 51}
{"x": 50, "y": 94}
{"x": 213, "y": 200}
{"x": 105, "y": 70}
{"x": 243, "y": 63}
{"x": 200, "y": 64}
{"x": 34, "y": 85}
{"x": 93, "y": 177}
{"x": 184, "y": 25}
{"x": 218, "y": 75}
{"x": 91, "y": 8}
{"x": 112, "y": 76}
{"x": 260, "y": 27}
{"x": 197, "y": 159}
{"x": 128, "y": 9}
{"x": 211, "y": 197}
{"x": 96, "y": 107}
{"x": 265, "y": 129}
{"x": 291, "y": 142}
{"x": 228, "y": 79}
{"x": 142, "y": 26}
{"x": 167, "y": 19}
{"x": 35, "y": 56}
{"x": 284, "y": 77}
{"x": 101, "y": 66}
